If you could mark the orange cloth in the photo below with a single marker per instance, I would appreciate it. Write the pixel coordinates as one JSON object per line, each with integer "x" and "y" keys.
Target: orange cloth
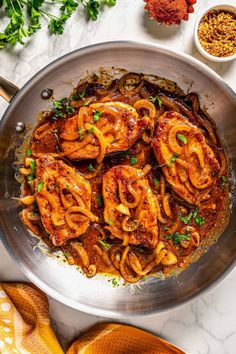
{"x": 111, "y": 338}
{"x": 25, "y": 329}
{"x": 24, "y": 321}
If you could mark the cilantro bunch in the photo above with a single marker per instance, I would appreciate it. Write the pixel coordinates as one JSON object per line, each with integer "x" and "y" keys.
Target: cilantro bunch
{"x": 25, "y": 15}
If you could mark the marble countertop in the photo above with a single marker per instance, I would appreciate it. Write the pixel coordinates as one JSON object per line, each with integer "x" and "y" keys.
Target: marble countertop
{"x": 207, "y": 324}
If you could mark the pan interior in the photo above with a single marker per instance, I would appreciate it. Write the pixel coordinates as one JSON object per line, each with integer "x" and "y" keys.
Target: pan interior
{"x": 65, "y": 283}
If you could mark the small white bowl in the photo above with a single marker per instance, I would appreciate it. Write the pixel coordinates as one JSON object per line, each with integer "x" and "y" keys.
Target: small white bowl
{"x": 226, "y": 7}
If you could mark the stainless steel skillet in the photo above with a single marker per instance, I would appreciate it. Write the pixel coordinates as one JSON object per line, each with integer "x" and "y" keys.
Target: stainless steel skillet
{"x": 66, "y": 284}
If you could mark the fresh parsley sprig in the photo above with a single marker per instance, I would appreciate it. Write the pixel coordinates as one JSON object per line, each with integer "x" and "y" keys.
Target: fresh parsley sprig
{"x": 25, "y": 15}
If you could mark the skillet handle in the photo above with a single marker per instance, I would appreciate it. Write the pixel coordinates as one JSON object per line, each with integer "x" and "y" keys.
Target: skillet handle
{"x": 7, "y": 89}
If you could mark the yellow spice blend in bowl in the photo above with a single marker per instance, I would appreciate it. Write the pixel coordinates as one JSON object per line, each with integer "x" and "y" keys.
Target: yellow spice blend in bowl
{"x": 217, "y": 33}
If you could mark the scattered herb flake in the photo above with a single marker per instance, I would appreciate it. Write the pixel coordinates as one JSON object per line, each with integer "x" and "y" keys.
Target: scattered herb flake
{"x": 105, "y": 244}
{"x": 40, "y": 186}
{"x": 156, "y": 99}
{"x": 114, "y": 282}
{"x": 97, "y": 115}
{"x": 100, "y": 200}
{"x": 30, "y": 177}
{"x": 110, "y": 222}
{"x": 186, "y": 219}
{"x": 199, "y": 220}
{"x": 173, "y": 159}
{"x": 177, "y": 237}
{"x": 33, "y": 165}
{"x": 133, "y": 160}
{"x": 166, "y": 228}
{"x": 156, "y": 182}
{"x": 29, "y": 152}
{"x": 223, "y": 181}
{"x": 91, "y": 130}
{"x": 82, "y": 93}
{"x": 81, "y": 132}
{"x": 90, "y": 167}
{"x": 182, "y": 138}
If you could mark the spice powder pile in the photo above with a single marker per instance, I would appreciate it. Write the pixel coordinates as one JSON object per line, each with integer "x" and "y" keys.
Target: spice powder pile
{"x": 217, "y": 33}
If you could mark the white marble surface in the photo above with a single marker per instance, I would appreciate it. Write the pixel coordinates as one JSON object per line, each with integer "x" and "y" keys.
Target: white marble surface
{"x": 206, "y": 325}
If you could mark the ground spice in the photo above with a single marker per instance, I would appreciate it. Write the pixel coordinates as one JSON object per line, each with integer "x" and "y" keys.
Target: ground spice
{"x": 217, "y": 33}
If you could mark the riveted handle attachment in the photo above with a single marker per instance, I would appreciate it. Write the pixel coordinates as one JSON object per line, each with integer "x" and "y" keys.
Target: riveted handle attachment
{"x": 7, "y": 89}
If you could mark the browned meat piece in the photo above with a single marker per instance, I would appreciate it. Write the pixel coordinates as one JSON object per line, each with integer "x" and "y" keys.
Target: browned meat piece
{"x": 130, "y": 206}
{"x": 97, "y": 130}
{"x": 189, "y": 164}
{"x": 64, "y": 200}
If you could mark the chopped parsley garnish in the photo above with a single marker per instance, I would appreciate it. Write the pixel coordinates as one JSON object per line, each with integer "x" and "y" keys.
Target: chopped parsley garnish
{"x": 82, "y": 93}
{"x": 62, "y": 107}
{"x": 30, "y": 177}
{"x": 223, "y": 181}
{"x": 97, "y": 115}
{"x": 177, "y": 237}
{"x": 110, "y": 222}
{"x": 90, "y": 167}
{"x": 40, "y": 186}
{"x": 173, "y": 159}
{"x": 199, "y": 220}
{"x": 186, "y": 219}
{"x": 156, "y": 99}
{"x": 156, "y": 182}
{"x": 91, "y": 130}
{"x": 100, "y": 200}
{"x": 28, "y": 152}
{"x": 33, "y": 165}
{"x": 182, "y": 138}
{"x": 105, "y": 244}
{"x": 114, "y": 282}
{"x": 81, "y": 132}
{"x": 86, "y": 103}
{"x": 133, "y": 160}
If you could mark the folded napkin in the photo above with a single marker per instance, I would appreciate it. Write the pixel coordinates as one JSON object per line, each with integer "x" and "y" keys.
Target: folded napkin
{"x": 24, "y": 321}
{"x": 25, "y": 329}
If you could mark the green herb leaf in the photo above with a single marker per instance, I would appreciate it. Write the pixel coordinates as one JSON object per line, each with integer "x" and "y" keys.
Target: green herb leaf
{"x": 166, "y": 228}
{"x": 32, "y": 165}
{"x": 186, "y": 219}
{"x": 156, "y": 182}
{"x": 223, "y": 181}
{"x": 105, "y": 244}
{"x": 93, "y": 7}
{"x": 81, "y": 132}
{"x": 182, "y": 138}
{"x": 29, "y": 152}
{"x": 100, "y": 200}
{"x": 156, "y": 99}
{"x": 97, "y": 115}
{"x": 177, "y": 237}
{"x": 110, "y": 2}
{"x": 199, "y": 220}
{"x": 114, "y": 282}
{"x": 110, "y": 222}
{"x": 90, "y": 167}
{"x": 91, "y": 130}
{"x": 133, "y": 160}
{"x": 40, "y": 186}
{"x": 173, "y": 159}
{"x": 30, "y": 177}
{"x": 82, "y": 93}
